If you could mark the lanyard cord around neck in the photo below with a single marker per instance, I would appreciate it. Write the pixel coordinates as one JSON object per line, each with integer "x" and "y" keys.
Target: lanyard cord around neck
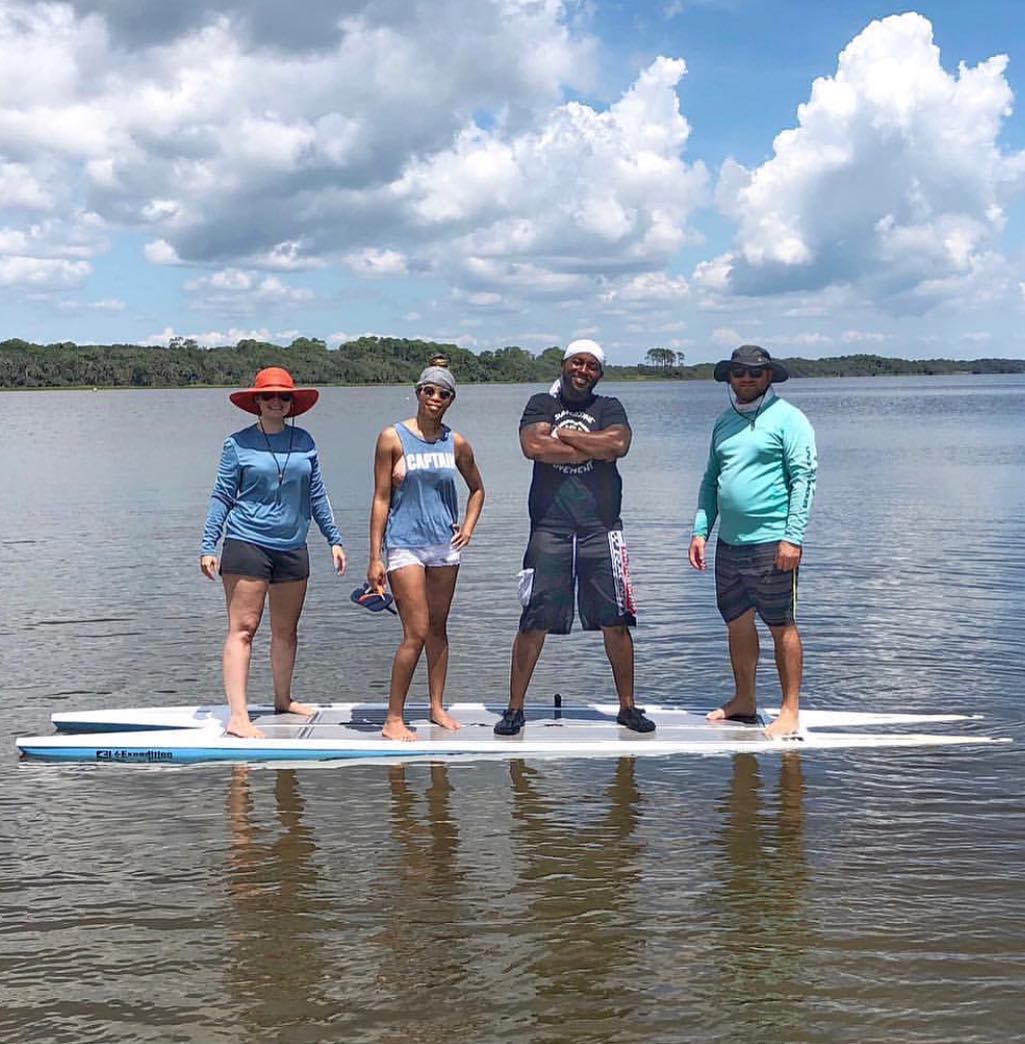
{"x": 270, "y": 450}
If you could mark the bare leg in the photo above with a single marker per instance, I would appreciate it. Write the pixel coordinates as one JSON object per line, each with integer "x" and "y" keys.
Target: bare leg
{"x": 244, "y": 596}
{"x": 790, "y": 665}
{"x": 743, "y": 637}
{"x": 286, "y": 603}
{"x": 409, "y": 585}
{"x": 619, "y": 647}
{"x": 441, "y": 586}
{"x": 525, "y": 652}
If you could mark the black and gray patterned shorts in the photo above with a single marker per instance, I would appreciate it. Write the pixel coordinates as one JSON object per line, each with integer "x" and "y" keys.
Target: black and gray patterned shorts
{"x": 746, "y": 578}
{"x": 591, "y": 569}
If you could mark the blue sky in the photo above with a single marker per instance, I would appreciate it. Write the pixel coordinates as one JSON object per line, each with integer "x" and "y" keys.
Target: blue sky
{"x": 819, "y": 178}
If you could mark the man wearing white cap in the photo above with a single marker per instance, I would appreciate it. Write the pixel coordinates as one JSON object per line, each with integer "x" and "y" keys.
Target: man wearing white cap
{"x": 576, "y": 551}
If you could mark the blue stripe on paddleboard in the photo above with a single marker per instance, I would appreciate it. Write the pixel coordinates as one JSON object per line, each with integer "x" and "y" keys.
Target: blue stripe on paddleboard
{"x": 191, "y": 755}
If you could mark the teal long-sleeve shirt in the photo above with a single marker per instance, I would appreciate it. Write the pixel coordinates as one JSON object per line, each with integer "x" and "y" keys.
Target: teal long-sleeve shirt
{"x": 760, "y": 477}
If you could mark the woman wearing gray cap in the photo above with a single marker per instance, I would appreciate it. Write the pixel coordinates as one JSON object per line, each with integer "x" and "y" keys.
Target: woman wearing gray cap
{"x": 416, "y": 537}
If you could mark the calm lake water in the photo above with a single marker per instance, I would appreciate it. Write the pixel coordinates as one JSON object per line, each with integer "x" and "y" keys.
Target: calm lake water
{"x": 826, "y": 896}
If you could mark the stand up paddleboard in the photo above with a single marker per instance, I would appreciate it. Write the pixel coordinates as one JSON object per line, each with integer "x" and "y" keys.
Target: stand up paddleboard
{"x": 347, "y": 731}
{"x": 128, "y": 719}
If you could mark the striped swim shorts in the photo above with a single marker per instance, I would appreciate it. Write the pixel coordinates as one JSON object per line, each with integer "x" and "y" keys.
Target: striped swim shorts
{"x": 592, "y": 566}
{"x": 746, "y": 578}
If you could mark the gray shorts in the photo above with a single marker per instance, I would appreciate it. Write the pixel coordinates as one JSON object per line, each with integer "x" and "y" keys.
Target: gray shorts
{"x": 240, "y": 558}
{"x": 746, "y": 578}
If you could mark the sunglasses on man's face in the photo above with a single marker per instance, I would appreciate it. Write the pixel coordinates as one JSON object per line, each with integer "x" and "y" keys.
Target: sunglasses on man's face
{"x": 747, "y": 371}
{"x": 271, "y": 396}
{"x": 431, "y": 392}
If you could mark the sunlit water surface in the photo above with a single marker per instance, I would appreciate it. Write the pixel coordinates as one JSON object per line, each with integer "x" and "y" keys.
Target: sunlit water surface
{"x": 823, "y": 896}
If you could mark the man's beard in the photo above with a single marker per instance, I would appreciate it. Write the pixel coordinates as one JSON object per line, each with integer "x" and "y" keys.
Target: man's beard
{"x": 572, "y": 394}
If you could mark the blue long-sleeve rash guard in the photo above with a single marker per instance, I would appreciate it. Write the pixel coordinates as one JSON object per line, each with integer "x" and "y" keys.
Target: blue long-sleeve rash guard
{"x": 760, "y": 477}
{"x": 248, "y": 502}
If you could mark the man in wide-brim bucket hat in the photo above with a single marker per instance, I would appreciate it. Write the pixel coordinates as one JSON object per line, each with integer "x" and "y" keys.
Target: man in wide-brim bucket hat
{"x": 750, "y": 356}
{"x": 758, "y": 486}
{"x": 270, "y": 380}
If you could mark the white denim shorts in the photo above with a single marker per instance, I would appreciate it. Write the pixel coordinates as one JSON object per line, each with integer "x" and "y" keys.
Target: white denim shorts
{"x": 428, "y": 557}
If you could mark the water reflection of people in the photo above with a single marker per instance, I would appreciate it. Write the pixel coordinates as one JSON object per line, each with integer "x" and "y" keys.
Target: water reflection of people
{"x": 429, "y": 845}
{"x": 273, "y": 882}
{"x": 759, "y": 906}
{"x": 422, "y": 905}
{"x": 580, "y": 881}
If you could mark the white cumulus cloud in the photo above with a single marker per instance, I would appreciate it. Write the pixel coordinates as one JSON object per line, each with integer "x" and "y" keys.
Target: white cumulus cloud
{"x": 160, "y": 252}
{"x": 893, "y": 179}
{"x": 589, "y": 192}
{"x": 646, "y": 290}
{"x": 862, "y": 337}
{"x": 371, "y": 261}
{"x": 234, "y": 291}
{"x": 230, "y": 136}
{"x": 42, "y": 272}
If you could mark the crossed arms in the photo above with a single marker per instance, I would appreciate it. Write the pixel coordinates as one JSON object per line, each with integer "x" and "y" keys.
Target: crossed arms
{"x": 550, "y": 445}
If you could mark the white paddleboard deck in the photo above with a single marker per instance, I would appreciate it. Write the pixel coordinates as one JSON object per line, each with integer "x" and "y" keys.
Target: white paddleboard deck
{"x": 209, "y": 715}
{"x": 352, "y": 731}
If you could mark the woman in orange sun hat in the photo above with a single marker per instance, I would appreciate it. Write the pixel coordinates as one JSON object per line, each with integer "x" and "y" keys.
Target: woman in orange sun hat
{"x": 268, "y": 488}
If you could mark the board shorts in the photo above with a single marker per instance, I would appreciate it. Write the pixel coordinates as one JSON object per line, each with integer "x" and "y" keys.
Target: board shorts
{"x": 429, "y": 557}
{"x": 746, "y": 578}
{"x": 591, "y": 569}
{"x": 241, "y": 558}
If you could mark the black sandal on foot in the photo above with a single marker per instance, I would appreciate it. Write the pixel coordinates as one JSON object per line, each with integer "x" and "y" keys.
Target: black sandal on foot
{"x": 633, "y": 718}
{"x": 510, "y": 723}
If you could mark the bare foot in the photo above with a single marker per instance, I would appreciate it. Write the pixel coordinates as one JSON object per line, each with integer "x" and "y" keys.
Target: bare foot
{"x": 395, "y": 729}
{"x": 735, "y": 709}
{"x": 243, "y": 728}
{"x": 786, "y": 726}
{"x": 296, "y": 708}
{"x": 440, "y": 716}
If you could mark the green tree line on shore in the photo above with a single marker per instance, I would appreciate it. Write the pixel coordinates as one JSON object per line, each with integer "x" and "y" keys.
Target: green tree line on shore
{"x": 382, "y": 360}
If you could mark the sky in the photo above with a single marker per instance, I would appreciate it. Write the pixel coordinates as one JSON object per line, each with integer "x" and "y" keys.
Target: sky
{"x": 822, "y": 179}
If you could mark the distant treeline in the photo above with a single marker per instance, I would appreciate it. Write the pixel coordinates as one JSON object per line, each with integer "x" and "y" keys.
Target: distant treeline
{"x": 381, "y": 360}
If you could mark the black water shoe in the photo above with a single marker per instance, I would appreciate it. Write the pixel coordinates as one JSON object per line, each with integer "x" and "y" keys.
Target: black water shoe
{"x": 633, "y": 718}
{"x": 511, "y": 722}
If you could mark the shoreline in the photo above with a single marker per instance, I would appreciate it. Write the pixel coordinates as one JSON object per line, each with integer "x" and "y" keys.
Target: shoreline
{"x": 609, "y": 378}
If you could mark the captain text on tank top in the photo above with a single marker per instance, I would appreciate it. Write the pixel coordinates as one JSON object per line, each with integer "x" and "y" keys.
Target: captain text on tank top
{"x": 424, "y": 505}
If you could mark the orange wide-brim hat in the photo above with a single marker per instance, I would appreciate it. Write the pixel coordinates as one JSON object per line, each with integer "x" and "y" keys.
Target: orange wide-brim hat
{"x": 275, "y": 379}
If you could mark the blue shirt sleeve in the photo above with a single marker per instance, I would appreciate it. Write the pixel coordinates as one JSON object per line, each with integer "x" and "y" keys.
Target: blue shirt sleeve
{"x": 320, "y": 504}
{"x": 801, "y": 463}
{"x": 222, "y": 499}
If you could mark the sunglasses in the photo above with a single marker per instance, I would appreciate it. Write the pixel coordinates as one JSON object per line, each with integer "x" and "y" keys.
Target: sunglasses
{"x": 430, "y": 391}
{"x": 271, "y": 396}
{"x": 753, "y": 371}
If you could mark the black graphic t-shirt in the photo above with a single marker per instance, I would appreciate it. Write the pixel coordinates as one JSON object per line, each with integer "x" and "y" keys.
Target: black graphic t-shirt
{"x": 584, "y": 496}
